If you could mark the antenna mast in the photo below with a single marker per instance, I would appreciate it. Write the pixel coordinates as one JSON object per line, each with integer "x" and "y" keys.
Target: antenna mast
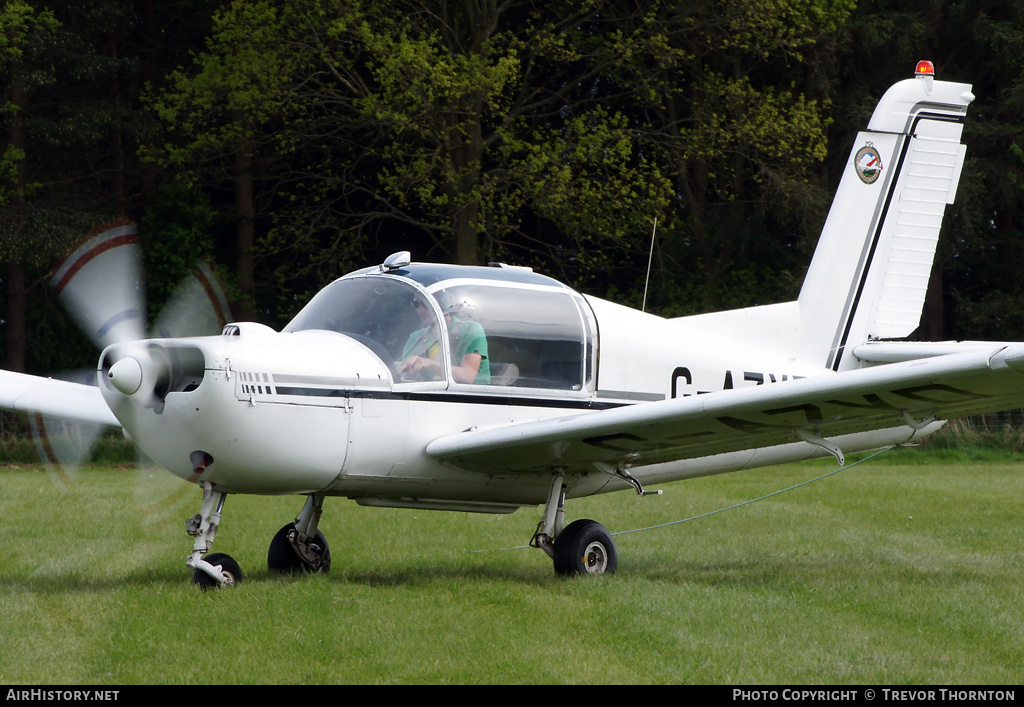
{"x": 650, "y": 256}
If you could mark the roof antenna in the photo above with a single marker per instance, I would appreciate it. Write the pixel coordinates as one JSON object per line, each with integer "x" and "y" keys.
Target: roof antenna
{"x": 650, "y": 256}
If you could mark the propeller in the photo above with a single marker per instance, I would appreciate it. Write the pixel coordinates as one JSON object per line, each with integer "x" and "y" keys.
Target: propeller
{"x": 100, "y": 283}
{"x": 62, "y": 444}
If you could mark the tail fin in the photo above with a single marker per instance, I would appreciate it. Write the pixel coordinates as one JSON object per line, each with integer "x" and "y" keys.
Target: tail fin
{"x": 870, "y": 271}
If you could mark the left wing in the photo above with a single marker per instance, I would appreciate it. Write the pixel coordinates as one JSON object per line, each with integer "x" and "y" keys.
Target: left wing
{"x": 48, "y": 396}
{"x": 893, "y": 395}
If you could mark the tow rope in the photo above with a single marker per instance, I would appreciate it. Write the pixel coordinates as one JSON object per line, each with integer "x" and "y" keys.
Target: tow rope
{"x": 760, "y": 498}
{"x": 737, "y": 505}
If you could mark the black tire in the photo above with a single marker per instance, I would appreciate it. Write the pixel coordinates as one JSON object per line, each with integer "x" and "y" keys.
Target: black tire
{"x": 228, "y": 566}
{"x": 281, "y": 556}
{"x": 585, "y": 547}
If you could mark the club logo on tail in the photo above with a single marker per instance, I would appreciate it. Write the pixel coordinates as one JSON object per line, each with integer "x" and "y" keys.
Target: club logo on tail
{"x": 868, "y": 163}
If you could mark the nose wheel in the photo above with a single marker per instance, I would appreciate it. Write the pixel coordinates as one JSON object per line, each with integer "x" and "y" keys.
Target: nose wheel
{"x": 224, "y": 565}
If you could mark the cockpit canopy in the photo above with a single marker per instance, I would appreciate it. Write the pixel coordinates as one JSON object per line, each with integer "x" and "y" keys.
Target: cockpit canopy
{"x": 534, "y": 332}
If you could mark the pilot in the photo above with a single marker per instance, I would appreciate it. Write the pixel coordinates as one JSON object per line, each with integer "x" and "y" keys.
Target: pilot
{"x": 421, "y": 358}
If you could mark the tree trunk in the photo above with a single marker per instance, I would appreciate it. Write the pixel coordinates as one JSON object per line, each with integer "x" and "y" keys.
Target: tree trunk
{"x": 15, "y": 316}
{"x": 116, "y": 139}
{"x": 244, "y": 229}
{"x": 466, "y": 152}
{"x": 467, "y": 238}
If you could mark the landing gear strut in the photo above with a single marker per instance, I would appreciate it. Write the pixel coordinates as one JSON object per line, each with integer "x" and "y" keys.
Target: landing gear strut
{"x": 299, "y": 546}
{"x": 582, "y": 547}
{"x": 218, "y": 569}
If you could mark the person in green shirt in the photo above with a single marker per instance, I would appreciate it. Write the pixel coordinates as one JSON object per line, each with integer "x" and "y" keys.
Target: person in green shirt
{"x": 421, "y": 358}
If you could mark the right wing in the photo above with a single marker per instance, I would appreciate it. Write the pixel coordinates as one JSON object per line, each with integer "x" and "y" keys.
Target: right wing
{"x": 911, "y": 393}
{"x": 49, "y": 396}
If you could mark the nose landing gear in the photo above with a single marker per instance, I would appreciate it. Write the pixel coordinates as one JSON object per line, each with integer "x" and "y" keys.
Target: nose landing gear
{"x": 217, "y": 569}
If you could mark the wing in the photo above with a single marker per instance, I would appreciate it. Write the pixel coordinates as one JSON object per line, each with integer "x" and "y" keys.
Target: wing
{"x": 893, "y": 395}
{"x": 48, "y": 396}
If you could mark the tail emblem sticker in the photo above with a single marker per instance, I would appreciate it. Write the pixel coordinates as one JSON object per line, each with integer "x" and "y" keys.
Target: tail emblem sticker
{"x": 868, "y": 163}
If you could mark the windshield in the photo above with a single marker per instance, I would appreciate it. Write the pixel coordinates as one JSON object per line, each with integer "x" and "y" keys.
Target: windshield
{"x": 381, "y": 313}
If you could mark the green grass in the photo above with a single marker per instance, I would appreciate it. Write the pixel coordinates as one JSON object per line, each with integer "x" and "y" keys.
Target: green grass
{"x": 890, "y": 572}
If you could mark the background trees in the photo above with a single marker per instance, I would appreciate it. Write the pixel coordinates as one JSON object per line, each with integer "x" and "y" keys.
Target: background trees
{"x": 293, "y": 141}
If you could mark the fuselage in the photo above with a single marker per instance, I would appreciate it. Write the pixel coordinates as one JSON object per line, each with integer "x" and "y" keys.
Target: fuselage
{"x": 323, "y": 406}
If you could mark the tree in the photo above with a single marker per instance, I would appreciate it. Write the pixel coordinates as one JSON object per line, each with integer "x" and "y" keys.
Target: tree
{"x": 726, "y": 91}
{"x": 24, "y": 34}
{"x": 227, "y": 113}
{"x": 455, "y": 119}
{"x": 982, "y": 43}
{"x": 70, "y": 74}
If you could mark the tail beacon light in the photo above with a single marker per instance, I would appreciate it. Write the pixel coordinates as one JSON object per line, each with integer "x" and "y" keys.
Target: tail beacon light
{"x": 925, "y": 71}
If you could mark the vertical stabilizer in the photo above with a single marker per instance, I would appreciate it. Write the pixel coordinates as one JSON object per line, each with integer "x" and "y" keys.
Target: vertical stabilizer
{"x": 870, "y": 271}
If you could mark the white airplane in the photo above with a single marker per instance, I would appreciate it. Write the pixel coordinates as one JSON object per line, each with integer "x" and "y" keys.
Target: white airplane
{"x": 487, "y": 389}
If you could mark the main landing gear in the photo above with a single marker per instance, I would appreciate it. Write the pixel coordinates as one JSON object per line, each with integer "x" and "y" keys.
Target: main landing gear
{"x": 582, "y": 547}
{"x": 297, "y": 547}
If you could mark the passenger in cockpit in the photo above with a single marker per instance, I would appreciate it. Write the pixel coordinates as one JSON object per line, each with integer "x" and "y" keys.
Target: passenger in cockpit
{"x": 470, "y": 362}
{"x": 421, "y": 358}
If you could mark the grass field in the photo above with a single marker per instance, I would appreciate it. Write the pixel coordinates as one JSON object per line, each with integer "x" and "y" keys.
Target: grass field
{"x": 892, "y": 572}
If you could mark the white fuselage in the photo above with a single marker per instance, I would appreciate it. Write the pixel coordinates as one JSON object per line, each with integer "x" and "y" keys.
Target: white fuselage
{"x": 316, "y": 411}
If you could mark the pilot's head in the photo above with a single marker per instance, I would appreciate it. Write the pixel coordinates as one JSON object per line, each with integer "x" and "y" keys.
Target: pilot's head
{"x": 422, "y": 308}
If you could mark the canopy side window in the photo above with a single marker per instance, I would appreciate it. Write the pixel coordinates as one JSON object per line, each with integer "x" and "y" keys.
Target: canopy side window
{"x": 534, "y": 337}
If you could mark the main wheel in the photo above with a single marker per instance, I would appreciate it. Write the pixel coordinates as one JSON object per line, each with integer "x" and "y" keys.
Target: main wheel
{"x": 282, "y": 557}
{"x": 585, "y": 547}
{"x": 228, "y": 567}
